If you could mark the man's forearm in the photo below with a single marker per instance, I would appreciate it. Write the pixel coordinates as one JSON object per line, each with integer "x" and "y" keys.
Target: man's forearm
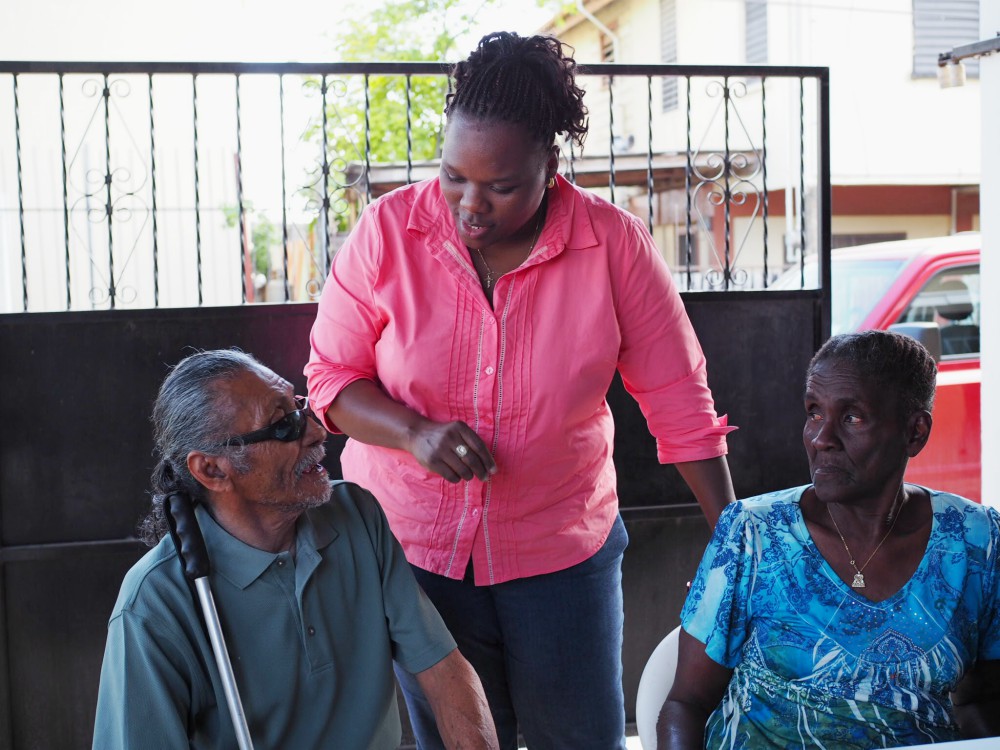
{"x": 459, "y": 704}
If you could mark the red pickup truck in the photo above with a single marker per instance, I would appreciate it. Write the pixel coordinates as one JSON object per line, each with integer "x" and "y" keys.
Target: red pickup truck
{"x": 929, "y": 288}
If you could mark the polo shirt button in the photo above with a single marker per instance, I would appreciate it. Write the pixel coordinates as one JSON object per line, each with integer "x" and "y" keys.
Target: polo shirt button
{"x": 311, "y": 630}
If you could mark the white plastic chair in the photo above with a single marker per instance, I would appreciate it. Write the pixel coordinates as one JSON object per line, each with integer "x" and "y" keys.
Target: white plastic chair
{"x": 657, "y": 677}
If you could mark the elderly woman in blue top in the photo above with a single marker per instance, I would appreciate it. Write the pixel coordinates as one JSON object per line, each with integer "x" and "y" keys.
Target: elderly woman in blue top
{"x": 855, "y": 612}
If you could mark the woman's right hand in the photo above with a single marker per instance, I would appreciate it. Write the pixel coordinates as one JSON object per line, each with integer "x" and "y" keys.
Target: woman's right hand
{"x": 451, "y": 449}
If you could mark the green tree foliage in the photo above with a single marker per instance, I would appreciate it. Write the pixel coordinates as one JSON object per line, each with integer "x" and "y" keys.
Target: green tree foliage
{"x": 391, "y": 31}
{"x": 394, "y": 31}
{"x": 264, "y": 235}
{"x": 403, "y": 31}
{"x": 373, "y": 113}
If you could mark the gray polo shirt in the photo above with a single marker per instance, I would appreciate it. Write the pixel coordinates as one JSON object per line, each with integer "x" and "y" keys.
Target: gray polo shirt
{"x": 311, "y": 639}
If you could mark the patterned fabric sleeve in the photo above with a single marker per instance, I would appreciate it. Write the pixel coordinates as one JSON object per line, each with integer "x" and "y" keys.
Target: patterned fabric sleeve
{"x": 989, "y": 634}
{"x": 716, "y": 611}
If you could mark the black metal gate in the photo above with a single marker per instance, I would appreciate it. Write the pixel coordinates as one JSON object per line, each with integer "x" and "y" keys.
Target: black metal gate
{"x": 76, "y": 387}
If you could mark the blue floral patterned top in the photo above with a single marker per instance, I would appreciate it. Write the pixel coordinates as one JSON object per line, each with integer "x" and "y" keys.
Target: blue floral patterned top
{"x": 817, "y": 665}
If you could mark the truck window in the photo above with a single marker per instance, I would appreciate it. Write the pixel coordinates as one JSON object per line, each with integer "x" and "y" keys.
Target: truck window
{"x": 950, "y": 299}
{"x": 857, "y": 284}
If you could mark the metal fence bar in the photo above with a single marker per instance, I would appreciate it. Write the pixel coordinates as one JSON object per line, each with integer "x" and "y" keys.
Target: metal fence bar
{"x": 728, "y": 195}
{"x": 109, "y": 205}
{"x": 65, "y": 190}
{"x": 688, "y": 169}
{"x": 368, "y": 141}
{"x": 20, "y": 199}
{"x": 284, "y": 189}
{"x": 325, "y": 218}
{"x": 197, "y": 187}
{"x": 649, "y": 152}
{"x": 611, "y": 138}
{"x": 824, "y": 191}
{"x": 409, "y": 132}
{"x": 392, "y": 68}
{"x": 153, "y": 211}
{"x": 763, "y": 159}
{"x": 802, "y": 180}
{"x": 239, "y": 198}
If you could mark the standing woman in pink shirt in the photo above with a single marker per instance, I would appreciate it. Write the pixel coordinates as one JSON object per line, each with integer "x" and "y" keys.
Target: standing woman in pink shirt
{"x": 465, "y": 341}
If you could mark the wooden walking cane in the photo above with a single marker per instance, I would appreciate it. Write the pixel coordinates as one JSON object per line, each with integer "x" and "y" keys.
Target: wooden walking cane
{"x": 191, "y": 549}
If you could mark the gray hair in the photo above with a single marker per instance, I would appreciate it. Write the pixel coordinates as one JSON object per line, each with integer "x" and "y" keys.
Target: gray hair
{"x": 186, "y": 417}
{"x": 897, "y": 363}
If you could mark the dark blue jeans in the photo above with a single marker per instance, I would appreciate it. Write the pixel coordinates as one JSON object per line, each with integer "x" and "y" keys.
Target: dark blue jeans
{"x": 548, "y": 650}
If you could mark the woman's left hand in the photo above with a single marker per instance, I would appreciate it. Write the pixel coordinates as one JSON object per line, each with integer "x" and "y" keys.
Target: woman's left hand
{"x": 451, "y": 449}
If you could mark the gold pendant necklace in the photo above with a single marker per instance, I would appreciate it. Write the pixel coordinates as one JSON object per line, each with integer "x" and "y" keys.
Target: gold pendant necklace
{"x": 488, "y": 281}
{"x": 859, "y": 578}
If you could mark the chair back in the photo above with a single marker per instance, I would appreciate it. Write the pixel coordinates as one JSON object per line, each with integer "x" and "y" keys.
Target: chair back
{"x": 657, "y": 678}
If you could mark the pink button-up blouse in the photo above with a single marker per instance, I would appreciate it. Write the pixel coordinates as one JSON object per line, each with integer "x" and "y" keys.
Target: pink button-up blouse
{"x": 403, "y": 307}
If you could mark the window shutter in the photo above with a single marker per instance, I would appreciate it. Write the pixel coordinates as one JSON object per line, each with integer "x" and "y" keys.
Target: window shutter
{"x": 668, "y": 52}
{"x": 939, "y": 25}
{"x": 756, "y": 31}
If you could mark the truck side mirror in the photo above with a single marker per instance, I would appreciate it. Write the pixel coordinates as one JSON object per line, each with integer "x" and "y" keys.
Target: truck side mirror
{"x": 928, "y": 334}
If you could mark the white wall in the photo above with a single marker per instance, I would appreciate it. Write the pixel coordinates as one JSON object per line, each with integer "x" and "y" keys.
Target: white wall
{"x": 989, "y": 197}
{"x": 886, "y": 127}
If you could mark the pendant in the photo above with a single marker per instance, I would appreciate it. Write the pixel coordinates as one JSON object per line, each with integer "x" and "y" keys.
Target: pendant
{"x": 858, "y": 582}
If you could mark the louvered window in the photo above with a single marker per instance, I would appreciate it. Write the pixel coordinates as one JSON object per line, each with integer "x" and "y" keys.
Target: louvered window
{"x": 939, "y": 25}
{"x": 756, "y": 31}
{"x": 668, "y": 52}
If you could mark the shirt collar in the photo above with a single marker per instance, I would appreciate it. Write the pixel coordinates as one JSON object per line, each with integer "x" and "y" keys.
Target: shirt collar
{"x": 568, "y": 224}
{"x": 241, "y": 564}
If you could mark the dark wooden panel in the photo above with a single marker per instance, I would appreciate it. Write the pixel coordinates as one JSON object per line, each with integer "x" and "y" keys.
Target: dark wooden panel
{"x": 56, "y": 627}
{"x": 662, "y": 556}
{"x": 79, "y": 387}
{"x": 757, "y": 351}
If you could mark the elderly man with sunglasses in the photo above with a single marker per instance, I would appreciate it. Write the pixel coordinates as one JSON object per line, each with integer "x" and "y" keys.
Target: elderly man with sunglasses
{"x": 314, "y": 594}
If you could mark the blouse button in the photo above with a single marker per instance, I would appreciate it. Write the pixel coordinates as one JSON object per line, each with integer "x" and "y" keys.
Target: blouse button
{"x": 489, "y": 370}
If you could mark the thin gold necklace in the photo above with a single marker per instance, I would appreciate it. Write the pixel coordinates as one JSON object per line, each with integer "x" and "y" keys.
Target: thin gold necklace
{"x": 859, "y": 579}
{"x": 488, "y": 282}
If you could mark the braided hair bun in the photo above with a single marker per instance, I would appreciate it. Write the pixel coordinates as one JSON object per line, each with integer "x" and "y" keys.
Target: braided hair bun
{"x": 524, "y": 80}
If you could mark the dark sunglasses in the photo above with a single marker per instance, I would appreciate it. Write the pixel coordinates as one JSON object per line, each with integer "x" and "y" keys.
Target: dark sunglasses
{"x": 287, "y": 429}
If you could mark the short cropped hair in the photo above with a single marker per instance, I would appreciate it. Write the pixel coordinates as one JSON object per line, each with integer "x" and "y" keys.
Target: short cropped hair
{"x": 896, "y": 363}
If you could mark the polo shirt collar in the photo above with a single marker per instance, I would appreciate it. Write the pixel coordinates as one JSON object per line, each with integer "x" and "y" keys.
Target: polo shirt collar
{"x": 241, "y": 564}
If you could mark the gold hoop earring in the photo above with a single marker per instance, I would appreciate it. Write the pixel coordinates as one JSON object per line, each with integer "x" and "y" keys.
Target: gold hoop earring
{"x": 552, "y": 183}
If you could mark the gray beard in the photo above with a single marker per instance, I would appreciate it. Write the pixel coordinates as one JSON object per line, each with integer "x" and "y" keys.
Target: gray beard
{"x": 304, "y": 501}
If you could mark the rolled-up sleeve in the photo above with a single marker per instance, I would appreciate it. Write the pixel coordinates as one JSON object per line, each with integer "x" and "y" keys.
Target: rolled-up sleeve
{"x": 348, "y": 321}
{"x": 661, "y": 361}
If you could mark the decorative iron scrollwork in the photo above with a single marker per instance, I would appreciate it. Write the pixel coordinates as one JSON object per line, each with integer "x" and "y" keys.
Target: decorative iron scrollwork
{"x": 725, "y": 179}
